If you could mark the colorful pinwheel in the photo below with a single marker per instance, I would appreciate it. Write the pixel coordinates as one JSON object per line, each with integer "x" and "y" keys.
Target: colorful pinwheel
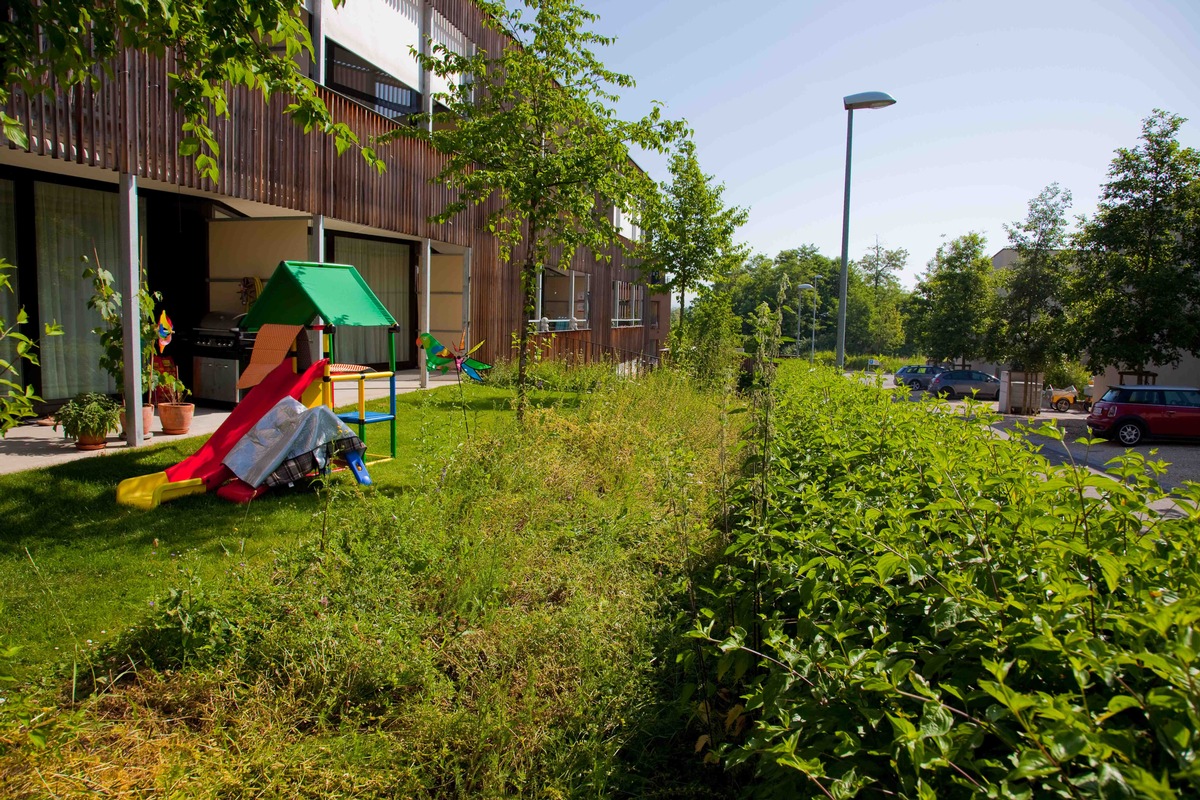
{"x": 165, "y": 331}
{"x": 439, "y": 357}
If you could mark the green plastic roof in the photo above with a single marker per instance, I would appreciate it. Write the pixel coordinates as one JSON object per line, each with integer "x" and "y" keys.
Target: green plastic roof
{"x": 299, "y": 291}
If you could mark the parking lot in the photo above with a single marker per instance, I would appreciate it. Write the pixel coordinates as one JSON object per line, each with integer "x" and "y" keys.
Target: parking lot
{"x": 1182, "y": 457}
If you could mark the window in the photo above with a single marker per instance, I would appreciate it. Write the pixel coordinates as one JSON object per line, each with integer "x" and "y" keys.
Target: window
{"x": 628, "y": 302}
{"x": 386, "y": 266}
{"x": 70, "y": 223}
{"x": 1180, "y": 397}
{"x": 655, "y": 313}
{"x": 1147, "y": 396}
{"x": 357, "y": 78}
{"x": 563, "y": 301}
{"x": 626, "y": 223}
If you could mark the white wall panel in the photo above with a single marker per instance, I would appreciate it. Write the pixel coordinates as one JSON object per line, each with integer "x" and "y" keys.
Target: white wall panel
{"x": 381, "y": 31}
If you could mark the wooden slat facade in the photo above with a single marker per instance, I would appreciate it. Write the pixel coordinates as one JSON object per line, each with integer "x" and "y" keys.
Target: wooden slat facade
{"x": 128, "y": 124}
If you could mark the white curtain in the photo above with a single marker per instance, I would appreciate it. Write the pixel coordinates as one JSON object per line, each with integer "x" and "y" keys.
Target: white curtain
{"x": 71, "y": 223}
{"x": 386, "y": 267}
{"x": 8, "y": 299}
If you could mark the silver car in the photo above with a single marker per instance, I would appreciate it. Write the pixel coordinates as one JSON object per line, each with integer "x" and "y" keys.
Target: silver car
{"x": 965, "y": 382}
{"x": 916, "y": 376}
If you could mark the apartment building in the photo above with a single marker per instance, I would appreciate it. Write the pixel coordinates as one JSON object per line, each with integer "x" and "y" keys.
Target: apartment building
{"x": 100, "y": 160}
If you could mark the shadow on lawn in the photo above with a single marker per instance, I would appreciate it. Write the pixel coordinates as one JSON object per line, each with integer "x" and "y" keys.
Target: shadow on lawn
{"x": 75, "y": 503}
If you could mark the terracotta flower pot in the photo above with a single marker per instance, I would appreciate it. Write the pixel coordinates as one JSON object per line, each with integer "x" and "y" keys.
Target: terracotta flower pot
{"x": 147, "y": 420}
{"x": 176, "y": 418}
{"x": 91, "y": 441}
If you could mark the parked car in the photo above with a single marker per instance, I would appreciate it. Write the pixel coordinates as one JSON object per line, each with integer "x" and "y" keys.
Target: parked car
{"x": 1129, "y": 414}
{"x": 916, "y": 376}
{"x": 1061, "y": 399}
{"x": 965, "y": 382}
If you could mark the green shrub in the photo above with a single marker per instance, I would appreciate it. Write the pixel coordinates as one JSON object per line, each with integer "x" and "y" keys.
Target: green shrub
{"x": 858, "y": 363}
{"x": 1068, "y": 373}
{"x": 706, "y": 347}
{"x": 911, "y": 606}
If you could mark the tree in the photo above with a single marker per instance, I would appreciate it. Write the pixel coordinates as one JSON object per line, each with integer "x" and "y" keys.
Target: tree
{"x": 1136, "y": 292}
{"x": 689, "y": 234}
{"x": 756, "y": 280}
{"x": 954, "y": 300}
{"x": 876, "y": 326}
{"x": 533, "y": 129}
{"x": 885, "y": 326}
{"x": 49, "y": 45}
{"x": 880, "y": 266}
{"x": 1029, "y": 330}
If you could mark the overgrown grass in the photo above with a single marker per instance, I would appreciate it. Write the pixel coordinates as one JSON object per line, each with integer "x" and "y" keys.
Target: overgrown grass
{"x": 488, "y": 620}
{"x": 75, "y": 566}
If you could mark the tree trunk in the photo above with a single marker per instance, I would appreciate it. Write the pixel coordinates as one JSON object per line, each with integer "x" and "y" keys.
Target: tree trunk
{"x": 681, "y": 290}
{"x": 529, "y": 290}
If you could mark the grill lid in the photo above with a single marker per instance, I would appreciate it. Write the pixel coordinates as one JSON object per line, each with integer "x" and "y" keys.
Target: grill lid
{"x": 220, "y": 322}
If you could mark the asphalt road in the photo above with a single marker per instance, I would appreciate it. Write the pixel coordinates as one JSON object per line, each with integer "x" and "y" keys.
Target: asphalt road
{"x": 1182, "y": 457}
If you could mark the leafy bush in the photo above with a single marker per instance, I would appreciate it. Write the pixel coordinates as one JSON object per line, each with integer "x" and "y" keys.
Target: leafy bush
{"x": 1068, "y": 373}
{"x": 858, "y": 363}
{"x": 706, "y": 346}
{"x": 913, "y": 607}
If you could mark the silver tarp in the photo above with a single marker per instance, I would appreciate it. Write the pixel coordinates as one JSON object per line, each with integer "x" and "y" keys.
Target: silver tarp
{"x": 287, "y": 431}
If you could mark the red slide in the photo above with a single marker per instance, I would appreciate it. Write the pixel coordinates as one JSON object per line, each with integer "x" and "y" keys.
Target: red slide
{"x": 205, "y": 463}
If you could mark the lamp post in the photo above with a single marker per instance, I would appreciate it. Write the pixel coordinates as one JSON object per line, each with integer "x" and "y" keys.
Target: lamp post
{"x": 851, "y": 102}
{"x": 808, "y": 287}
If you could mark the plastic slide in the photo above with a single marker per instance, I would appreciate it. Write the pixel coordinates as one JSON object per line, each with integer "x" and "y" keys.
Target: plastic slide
{"x": 203, "y": 471}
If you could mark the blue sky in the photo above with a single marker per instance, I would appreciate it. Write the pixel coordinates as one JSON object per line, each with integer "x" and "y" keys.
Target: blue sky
{"x": 994, "y": 102}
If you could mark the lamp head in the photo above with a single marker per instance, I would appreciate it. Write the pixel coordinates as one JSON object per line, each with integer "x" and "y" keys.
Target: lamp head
{"x": 806, "y": 287}
{"x": 867, "y": 100}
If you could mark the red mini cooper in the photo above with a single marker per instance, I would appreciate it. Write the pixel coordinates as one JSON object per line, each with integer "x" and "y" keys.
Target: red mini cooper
{"x": 1130, "y": 413}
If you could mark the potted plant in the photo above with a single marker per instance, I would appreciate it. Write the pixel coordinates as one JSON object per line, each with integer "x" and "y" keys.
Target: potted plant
{"x": 88, "y": 418}
{"x": 174, "y": 414}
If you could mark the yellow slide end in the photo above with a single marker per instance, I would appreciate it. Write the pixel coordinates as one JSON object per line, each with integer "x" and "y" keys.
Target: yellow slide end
{"x": 147, "y": 491}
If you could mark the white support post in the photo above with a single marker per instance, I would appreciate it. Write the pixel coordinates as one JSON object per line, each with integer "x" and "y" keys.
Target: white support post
{"x": 316, "y": 243}
{"x": 131, "y": 312}
{"x": 318, "y": 41}
{"x": 426, "y": 32}
{"x": 316, "y": 254}
{"x": 423, "y": 308}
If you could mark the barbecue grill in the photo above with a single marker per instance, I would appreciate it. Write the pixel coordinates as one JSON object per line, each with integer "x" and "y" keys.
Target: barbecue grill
{"x": 220, "y": 352}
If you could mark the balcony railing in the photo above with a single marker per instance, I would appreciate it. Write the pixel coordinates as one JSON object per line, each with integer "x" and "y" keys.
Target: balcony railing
{"x": 128, "y": 124}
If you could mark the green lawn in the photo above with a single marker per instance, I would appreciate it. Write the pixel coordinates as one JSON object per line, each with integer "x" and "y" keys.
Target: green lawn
{"x": 76, "y": 567}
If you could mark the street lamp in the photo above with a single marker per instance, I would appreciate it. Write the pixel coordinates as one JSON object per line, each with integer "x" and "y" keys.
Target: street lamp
{"x": 851, "y": 102}
{"x": 808, "y": 287}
